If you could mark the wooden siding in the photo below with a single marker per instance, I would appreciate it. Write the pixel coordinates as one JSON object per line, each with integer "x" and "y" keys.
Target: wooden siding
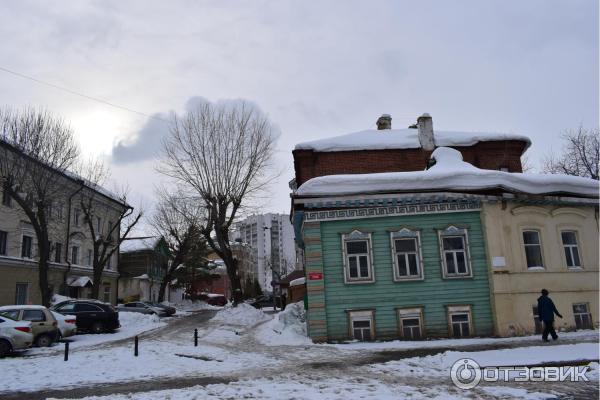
{"x": 385, "y": 295}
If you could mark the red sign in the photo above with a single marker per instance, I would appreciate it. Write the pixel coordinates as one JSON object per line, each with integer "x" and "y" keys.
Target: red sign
{"x": 315, "y": 276}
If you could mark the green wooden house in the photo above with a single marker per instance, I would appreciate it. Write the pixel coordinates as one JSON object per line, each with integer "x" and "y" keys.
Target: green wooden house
{"x": 405, "y": 266}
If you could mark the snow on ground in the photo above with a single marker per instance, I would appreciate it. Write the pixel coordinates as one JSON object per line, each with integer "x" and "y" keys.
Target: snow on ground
{"x": 242, "y": 315}
{"x": 287, "y": 328}
{"x": 190, "y": 306}
{"x": 131, "y": 324}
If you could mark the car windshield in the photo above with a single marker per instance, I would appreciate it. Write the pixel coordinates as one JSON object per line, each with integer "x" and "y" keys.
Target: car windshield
{"x": 6, "y": 315}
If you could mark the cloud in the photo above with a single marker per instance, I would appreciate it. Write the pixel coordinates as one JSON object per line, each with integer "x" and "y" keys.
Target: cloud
{"x": 146, "y": 143}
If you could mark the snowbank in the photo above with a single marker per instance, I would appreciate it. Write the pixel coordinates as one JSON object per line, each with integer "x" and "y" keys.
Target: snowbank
{"x": 449, "y": 173}
{"x": 188, "y": 305}
{"x": 242, "y": 315}
{"x": 373, "y": 139}
{"x": 287, "y": 329}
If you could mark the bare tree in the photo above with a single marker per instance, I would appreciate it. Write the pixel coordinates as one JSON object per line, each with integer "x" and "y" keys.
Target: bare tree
{"x": 36, "y": 150}
{"x": 223, "y": 153}
{"x": 108, "y": 224}
{"x": 179, "y": 220}
{"x": 579, "y": 156}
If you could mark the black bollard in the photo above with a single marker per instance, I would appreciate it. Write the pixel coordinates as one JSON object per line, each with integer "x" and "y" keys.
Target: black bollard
{"x": 66, "y": 351}
{"x": 195, "y": 337}
{"x": 135, "y": 346}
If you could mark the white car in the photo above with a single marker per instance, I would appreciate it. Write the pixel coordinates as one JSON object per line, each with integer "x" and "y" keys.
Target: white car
{"x": 67, "y": 324}
{"x": 14, "y": 335}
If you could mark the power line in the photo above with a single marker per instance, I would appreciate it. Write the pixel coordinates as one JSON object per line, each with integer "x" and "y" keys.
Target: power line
{"x": 64, "y": 89}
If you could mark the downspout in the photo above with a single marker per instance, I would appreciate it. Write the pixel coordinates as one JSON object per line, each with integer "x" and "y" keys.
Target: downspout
{"x": 69, "y": 236}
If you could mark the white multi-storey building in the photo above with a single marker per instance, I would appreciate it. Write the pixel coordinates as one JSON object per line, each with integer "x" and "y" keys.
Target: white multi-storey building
{"x": 270, "y": 251}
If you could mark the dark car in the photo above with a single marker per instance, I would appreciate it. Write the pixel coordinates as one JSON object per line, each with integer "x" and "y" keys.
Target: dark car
{"x": 213, "y": 299}
{"x": 168, "y": 309}
{"x": 92, "y": 315}
{"x": 263, "y": 301}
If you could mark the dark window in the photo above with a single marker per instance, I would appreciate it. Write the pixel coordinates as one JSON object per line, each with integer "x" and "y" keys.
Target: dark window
{"x": 6, "y": 200}
{"x": 455, "y": 257}
{"x": 362, "y": 330}
{"x": 74, "y": 255}
{"x": 76, "y": 217}
{"x": 83, "y": 307}
{"x": 583, "y": 318}
{"x": 14, "y": 314}
{"x": 411, "y": 327}
{"x": 460, "y": 324}
{"x": 67, "y": 307}
{"x": 58, "y": 252}
{"x": 357, "y": 253}
{"x": 569, "y": 239}
{"x": 3, "y": 240}
{"x": 533, "y": 249}
{"x": 21, "y": 293}
{"x": 407, "y": 258}
{"x": 34, "y": 315}
{"x": 26, "y": 246}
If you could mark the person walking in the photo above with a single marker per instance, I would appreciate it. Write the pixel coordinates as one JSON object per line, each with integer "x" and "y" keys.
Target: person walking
{"x": 546, "y": 311}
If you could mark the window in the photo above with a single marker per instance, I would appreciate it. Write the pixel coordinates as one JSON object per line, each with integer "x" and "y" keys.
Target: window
{"x": 109, "y": 262}
{"x": 85, "y": 307}
{"x": 74, "y": 255}
{"x": 107, "y": 293}
{"x": 569, "y": 240}
{"x": 110, "y": 228}
{"x": 89, "y": 257}
{"x": 3, "y": 240}
{"x": 58, "y": 252}
{"x": 533, "y": 249}
{"x": 69, "y": 307}
{"x": 583, "y": 318}
{"x": 454, "y": 252}
{"x": 76, "y": 217}
{"x": 98, "y": 226}
{"x": 459, "y": 318}
{"x": 407, "y": 255}
{"x": 361, "y": 325}
{"x": 13, "y": 314}
{"x": 357, "y": 257}
{"x": 6, "y": 200}
{"x": 536, "y": 320}
{"x": 34, "y": 315}
{"x": 26, "y": 246}
{"x": 411, "y": 323}
{"x": 22, "y": 293}
{"x": 59, "y": 212}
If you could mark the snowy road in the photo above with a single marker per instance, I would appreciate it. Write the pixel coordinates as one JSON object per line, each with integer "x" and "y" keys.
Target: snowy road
{"x": 233, "y": 361}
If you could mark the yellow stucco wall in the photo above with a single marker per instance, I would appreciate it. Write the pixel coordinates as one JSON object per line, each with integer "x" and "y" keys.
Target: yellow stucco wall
{"x": 515, "y": 289}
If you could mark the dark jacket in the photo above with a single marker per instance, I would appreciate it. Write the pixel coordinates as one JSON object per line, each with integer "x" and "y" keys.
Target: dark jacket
{"x": 546, "y": 309}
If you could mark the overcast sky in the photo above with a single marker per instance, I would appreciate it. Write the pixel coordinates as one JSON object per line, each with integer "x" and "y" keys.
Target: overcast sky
{"x": 318, "y": 69}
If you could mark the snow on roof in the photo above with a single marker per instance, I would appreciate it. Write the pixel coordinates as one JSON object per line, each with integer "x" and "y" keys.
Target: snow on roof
{"x": 298, "y": 282}
{"x": 449, "y": 173}
{"x": 143, "y": 276}
{"x": 374, "y": 139}
{"x": 22, "y": 307}
{"x": 79, "y": 281}
{"x": 139, "y": 244}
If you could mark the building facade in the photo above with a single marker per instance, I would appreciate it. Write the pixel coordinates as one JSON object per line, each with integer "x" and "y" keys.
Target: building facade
{"x": 264, "y": 245}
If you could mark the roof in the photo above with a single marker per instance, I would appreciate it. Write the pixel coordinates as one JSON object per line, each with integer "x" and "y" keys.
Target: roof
{"x": 291, "y": 276}
{"x": 131, "y": 245}
{"x": 298, "y": 282}
{"x": 79, "y": 281}
{"x": 449, "y": 173}
{"x": 22, "y": 307}
{"x": 374, "y": 139}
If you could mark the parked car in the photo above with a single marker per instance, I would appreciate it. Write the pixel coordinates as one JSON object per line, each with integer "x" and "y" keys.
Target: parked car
{"x": 67, "y": 324}
{"x": 213, "y": 299}
{"x": 266, "y": 300}
{"x": 90, "y": 315}
{"x": 14, "y": 335}
{"x": 43, "y": 324}
{"x": 168, "y": 309}
{"x": 142, "y": 307}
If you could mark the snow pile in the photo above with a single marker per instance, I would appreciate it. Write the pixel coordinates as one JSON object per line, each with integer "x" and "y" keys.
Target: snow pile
{"x": 242, "y": 315}
{"x": 137, "y": 320}
{"x": 57, "y": 298}
{"x": 373, "y": 139}
{"x": 287, "y": 329}
{"x": 449, "y": 173}
{"x": 298, "y": 282}
{"x": 189, "y": 305}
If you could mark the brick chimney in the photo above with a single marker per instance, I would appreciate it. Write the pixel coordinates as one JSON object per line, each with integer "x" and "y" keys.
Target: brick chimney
{"x": 425, "y": 126}
{"x": 384, "y": 122}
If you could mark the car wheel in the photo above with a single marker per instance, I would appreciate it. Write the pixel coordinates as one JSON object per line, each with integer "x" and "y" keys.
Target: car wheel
{"x": 43, "y": 341}
{"x": 97, "y": 327}
{"x": 5, "y": 348}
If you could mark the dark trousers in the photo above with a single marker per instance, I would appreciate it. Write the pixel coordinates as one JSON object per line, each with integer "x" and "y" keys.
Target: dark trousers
{"x": 549, "y": 330}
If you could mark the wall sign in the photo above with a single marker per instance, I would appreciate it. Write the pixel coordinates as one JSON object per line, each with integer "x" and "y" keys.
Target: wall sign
{"x": 315, "y": 276}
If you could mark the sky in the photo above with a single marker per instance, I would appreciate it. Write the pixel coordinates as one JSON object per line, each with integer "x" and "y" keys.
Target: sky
{"x": 317, "y": 69}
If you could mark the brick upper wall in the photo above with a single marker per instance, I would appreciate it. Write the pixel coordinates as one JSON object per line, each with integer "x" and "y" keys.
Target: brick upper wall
{"x": 487, "y": 155}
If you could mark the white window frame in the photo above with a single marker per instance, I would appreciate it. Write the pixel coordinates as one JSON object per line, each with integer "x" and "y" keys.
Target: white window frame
{"x": 570, "y": 247}
{"x": 541, "y": 245}
{"x": 358, "y": 236}
{"x": 410, "y": 313}
{"x": 362, "y": 315}
{"x": 453, "y": 231}
{"x": 401, "y": 234}
{"x": 457, "y": 310}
